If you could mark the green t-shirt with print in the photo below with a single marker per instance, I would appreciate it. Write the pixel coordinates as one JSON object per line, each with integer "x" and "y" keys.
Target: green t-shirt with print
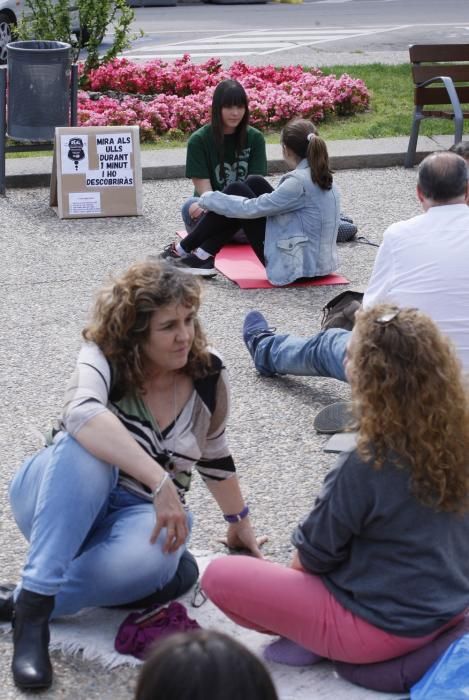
{"x": 202, "y": 160}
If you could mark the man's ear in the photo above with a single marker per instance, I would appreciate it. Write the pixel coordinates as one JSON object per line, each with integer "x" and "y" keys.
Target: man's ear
{"x": 420, "y": 194}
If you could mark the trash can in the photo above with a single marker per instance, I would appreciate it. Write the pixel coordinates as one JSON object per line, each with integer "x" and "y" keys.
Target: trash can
{"x": 38, "y": 95}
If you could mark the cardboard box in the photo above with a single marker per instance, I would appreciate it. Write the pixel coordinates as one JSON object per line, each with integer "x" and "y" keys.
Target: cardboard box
{"x": 96, "y": 171}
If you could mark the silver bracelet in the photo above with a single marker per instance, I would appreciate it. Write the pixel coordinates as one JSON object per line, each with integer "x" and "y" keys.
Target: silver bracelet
{"x": 155, "y": 493}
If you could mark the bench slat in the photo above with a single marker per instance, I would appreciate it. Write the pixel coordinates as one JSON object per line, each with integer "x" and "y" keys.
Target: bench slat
{"x": 441, "y": 114}
{"x": 459, "y": 73}
{"x": 439, "y": 52}
{"x": 438, "y": 96}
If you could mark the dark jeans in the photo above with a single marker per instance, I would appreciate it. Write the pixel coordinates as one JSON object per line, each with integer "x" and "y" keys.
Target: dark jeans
{"x": 214, "y": 230}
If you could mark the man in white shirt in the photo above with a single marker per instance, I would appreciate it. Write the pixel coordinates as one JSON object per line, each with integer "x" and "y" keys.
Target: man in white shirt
{"x": 422, "y": 263}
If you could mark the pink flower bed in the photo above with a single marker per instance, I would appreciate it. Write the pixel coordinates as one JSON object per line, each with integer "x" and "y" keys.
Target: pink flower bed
{"x": 176, "y": 96}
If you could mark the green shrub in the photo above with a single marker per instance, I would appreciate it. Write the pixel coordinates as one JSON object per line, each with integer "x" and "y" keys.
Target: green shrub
{"x": 50, "y": 20}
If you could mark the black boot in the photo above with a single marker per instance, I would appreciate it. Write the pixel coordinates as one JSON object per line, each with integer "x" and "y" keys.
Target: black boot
{"x": 31, "y": 665}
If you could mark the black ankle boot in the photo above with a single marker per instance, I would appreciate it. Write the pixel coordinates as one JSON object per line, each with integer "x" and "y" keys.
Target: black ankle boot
{"x": 31, "y": 664}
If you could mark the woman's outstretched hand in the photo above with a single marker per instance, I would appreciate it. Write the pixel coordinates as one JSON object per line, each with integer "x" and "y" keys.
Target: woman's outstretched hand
{"x": 171, "y": 515}
{"x": 241, "y": 535}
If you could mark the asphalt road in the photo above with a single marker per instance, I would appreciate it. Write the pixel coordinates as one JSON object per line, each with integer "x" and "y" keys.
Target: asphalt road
{"x": 317, "y": 30}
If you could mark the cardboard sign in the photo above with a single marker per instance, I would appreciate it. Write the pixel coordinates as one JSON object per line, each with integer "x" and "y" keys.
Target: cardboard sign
{"x": 96, "y": 171}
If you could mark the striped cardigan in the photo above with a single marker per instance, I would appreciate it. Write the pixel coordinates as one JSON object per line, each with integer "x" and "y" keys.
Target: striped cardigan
{"x": 196, "y": 438}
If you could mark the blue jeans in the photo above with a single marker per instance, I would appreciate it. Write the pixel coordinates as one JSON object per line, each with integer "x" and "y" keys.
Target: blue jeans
{"x": 89, "y": 538}
{"x": 321, "y": 355}
{"x": 189, "y": 223}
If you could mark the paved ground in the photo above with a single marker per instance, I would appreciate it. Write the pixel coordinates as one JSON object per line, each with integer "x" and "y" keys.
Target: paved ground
{"x": 50, "y": 270}
{"x": 322, "y": 32}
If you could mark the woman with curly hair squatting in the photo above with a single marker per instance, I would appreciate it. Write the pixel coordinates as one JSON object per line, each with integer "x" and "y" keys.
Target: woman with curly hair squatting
{"x": 381, "y": 565}
{"x": 103, "y": 506}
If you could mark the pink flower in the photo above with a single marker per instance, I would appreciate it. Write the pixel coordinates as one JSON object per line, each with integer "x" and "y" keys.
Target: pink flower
{"x": 160, "y": 96}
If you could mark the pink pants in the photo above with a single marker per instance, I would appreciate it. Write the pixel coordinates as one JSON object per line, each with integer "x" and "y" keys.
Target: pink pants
{"x": 275, "y": 599}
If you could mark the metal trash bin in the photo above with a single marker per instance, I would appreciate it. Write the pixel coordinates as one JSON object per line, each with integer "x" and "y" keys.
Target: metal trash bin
{"x": 38, "y": 96}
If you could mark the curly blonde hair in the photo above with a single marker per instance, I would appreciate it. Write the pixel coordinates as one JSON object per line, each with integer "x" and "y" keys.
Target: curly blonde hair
{"x": 411, "y": 403}
{"x": 121, "y": 320}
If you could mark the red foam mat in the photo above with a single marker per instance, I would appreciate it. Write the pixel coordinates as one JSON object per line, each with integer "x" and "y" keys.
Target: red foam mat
{"x": 240, "y": 264}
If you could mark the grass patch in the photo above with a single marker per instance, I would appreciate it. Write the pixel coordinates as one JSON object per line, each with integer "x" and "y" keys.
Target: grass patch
{"x": 390, "y": 112}
{"x": 391, "y": 106}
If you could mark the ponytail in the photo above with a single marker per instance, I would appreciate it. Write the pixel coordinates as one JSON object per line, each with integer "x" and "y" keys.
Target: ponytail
{"x": 318, "y": 159}
{"x": 301, "y": 137}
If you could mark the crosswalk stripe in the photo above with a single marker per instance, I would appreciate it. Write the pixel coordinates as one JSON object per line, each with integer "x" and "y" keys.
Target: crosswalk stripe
{"x": 258, "y": 42}
{"x": 305, "y": 32}
{"x": 229, "y": 45}
{"x": 188, "y": 48}
{"x": 205, "y": 54}
{"x": 255, "y": 41}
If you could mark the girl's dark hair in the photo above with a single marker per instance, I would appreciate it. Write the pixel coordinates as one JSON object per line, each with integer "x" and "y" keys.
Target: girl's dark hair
{"x": 229, "y": 93}
{"x": 295, "y": 137}
{"x": 203, "y": 664}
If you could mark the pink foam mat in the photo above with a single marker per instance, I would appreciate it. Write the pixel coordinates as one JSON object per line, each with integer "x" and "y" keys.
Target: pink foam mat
{"x": 240, "y": 264}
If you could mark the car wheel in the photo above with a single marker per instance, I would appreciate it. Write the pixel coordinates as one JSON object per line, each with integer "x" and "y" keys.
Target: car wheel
{"x": 6, "y": 24}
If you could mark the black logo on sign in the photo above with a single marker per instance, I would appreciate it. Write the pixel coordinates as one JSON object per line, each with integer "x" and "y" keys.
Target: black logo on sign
{"x": 75, "y": 151}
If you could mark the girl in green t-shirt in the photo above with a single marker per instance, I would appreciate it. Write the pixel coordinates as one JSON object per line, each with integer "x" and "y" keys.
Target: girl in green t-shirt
{"x": 225, "y": 151}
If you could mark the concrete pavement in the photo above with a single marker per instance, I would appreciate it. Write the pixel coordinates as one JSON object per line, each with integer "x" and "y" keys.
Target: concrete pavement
{"x": 169, "y": 163}
{"x": 50, "y": 270}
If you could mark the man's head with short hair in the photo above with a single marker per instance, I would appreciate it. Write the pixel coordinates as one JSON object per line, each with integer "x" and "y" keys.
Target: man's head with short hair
{"x": 442, "y": 179}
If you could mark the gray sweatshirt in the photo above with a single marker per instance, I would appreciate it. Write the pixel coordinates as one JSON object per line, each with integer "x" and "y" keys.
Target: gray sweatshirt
{"x": 392, "y": 561}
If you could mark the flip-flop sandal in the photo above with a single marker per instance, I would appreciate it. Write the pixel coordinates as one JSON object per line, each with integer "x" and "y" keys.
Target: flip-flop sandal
{"x": 335, "y": 418}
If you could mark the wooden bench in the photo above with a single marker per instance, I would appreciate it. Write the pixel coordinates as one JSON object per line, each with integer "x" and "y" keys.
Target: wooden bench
{"x": 441, "y": 84}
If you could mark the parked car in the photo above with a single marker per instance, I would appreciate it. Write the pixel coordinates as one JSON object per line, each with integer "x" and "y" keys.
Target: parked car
{"x": 151, "y": 3}
{"x": 11, "y": 11}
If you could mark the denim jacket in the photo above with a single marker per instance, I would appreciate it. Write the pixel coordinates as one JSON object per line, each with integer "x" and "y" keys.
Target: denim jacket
{"x": 301, "y": 224}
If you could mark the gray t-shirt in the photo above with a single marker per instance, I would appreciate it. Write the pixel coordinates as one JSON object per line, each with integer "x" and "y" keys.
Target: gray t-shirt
{"x": 392, "y": 561}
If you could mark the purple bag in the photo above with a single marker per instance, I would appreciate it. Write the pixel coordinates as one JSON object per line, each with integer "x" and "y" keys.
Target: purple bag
{"x": 140, "y": 631}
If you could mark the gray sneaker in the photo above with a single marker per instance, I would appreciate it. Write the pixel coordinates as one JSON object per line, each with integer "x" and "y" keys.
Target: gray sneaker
{"x": 195, "y": 266}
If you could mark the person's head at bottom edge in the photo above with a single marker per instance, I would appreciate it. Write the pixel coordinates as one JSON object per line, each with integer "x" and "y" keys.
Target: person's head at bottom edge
{"x": 203, "y": 665}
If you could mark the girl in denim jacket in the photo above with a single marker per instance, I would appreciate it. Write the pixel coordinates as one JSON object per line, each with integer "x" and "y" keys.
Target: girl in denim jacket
{"x": 292, "y": 228}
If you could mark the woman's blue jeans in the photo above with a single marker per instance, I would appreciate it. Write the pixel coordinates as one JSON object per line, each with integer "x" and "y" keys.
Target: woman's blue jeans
{"x": 189, "y": 222}
{"x": 89, "y": 538}
{"x": 321, "y": 355}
